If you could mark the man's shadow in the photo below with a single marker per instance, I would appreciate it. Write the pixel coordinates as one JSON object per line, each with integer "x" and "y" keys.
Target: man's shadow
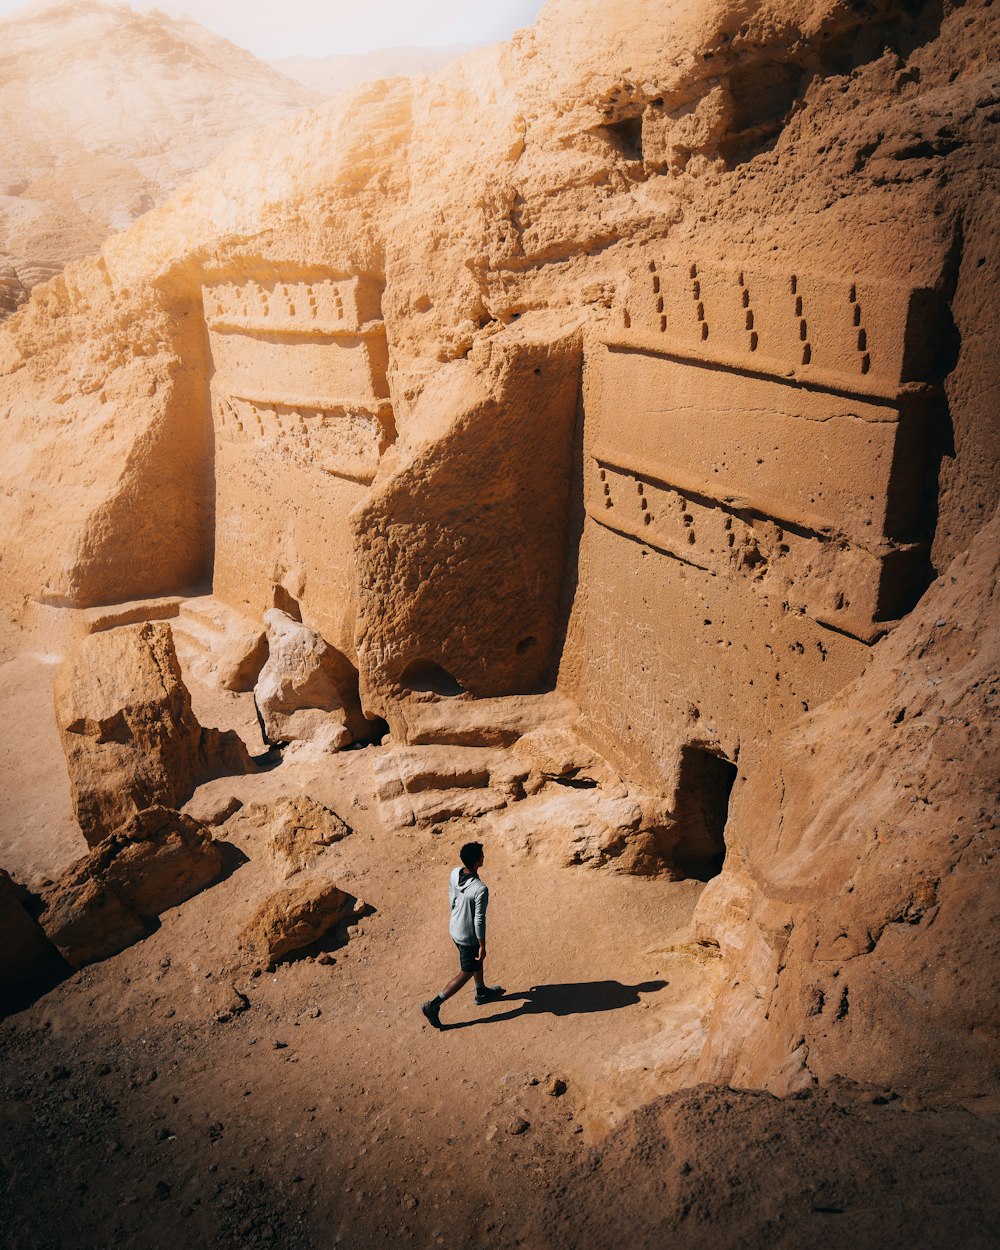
{"x": 574, "y": 999}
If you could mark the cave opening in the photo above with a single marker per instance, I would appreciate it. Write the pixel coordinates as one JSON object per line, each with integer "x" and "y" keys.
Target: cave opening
{"x": 704, "y": 788}
{"x": 625, "y": 136}
{"x": 429, "y": 677}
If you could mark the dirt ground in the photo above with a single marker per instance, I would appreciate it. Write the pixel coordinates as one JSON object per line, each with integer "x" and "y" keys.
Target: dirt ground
{"x": 325, "y": 1110}
{"x": 171, "y": 1096}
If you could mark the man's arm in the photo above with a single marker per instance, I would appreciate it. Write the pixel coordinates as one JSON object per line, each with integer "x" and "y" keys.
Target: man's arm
{"x": 479, "y": 919}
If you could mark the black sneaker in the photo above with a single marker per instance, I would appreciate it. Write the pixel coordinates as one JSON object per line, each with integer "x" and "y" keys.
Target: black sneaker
{"x": 489, "y": 994}
{"x": 432, "y": 1012}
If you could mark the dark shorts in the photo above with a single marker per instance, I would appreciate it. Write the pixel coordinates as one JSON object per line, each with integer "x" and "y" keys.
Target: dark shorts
{"x": 468, "y": 957}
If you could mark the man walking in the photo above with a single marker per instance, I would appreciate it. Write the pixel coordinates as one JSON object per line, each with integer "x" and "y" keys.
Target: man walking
{"x": 468, "y": 897}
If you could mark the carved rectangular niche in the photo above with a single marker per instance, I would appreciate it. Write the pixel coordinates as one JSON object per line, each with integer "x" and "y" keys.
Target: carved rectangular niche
{"x": 300, "y": 370}
{"x": 751, "y": 424}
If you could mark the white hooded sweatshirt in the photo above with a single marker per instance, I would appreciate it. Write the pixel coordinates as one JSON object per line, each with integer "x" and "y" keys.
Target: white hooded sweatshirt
{"x": 469, "y": 898}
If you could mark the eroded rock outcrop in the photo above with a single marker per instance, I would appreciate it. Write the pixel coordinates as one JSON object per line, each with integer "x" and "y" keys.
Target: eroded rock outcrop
{"x": 130, "y": 736}
{"x": 857, "y": 912}
{"x": 293, "y": 918}
{"x": 307, "y": 690}
{"x": 154, "y": 861}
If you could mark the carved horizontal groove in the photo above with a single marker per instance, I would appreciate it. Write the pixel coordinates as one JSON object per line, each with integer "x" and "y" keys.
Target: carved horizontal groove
{"x": 809, "y": 525}
{"x": 773, "y": 369}
{"x": 295, "y": 329}
{"x": 381, "y": 409}
{"x": 647, "y": 540}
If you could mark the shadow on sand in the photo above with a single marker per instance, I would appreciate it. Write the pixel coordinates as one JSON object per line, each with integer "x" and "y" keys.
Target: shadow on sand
{"x": 575, "y": 999}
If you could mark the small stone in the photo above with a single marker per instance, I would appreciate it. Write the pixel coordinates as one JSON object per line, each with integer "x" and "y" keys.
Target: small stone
{"x": 410, "y": 1202}
{"x": 326, "y": 960}
{"x": 556, "y": 1087}
{"x": 165, "y": 962}
{"x": 162, "y": 1190}
{"x": 280, "y": 1045}
{"x": 163, "y": 1134}
{"x": 519, "y": 1125}
{"x": 534, "y": 1081}
{"x": 939, "y": 624}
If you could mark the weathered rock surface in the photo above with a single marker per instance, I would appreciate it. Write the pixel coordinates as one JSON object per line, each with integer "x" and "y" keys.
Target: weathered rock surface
{"x": 218, "y": 645}
{"x": 298, "y": 830}
{"x": 293, "y": 918}
{"x": 130, "y": 736}
{"x": 858, "y": 911}
{"x": 307, "y": 690}
{"x": 154, "y": 861}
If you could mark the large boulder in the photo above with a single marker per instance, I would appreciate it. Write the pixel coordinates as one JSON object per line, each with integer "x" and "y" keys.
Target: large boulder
{"x": 130, "y": 735}
{"x": 307, "y": 690}
{"x": 293, "y": 918}
{"x": 157, "y": 859}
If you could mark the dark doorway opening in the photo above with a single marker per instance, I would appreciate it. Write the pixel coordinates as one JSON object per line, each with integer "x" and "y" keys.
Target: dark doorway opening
{"x": 704, "y": 788}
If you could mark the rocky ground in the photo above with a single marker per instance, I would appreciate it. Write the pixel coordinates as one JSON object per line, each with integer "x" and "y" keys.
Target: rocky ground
{"x": 175, "y": 1093}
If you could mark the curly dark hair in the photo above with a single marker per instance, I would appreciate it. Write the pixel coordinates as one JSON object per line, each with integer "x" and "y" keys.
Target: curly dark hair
{"x": 471, "y": 854}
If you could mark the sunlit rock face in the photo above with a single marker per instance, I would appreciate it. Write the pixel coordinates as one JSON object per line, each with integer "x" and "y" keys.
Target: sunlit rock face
{"x": 644, "y": 359}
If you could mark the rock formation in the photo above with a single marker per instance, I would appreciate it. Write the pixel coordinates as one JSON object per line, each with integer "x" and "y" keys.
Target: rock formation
{"x": 884, "y": 803}
{"x": 130, "y": 736}
{"x": 293, "y": 918}
{"x": 157, "y": 859}
{"x": 611, "y": 415}
{"x": 306, "y": 689}
{"x": 298, "y": 830}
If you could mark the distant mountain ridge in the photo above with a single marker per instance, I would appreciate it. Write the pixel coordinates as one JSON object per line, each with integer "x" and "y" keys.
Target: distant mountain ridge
{"x": 104, "y": 112}
{"x": 330, "y": 74}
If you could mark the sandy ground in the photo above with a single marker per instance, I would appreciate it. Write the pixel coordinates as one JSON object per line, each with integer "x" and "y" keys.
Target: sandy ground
{"x": 168, "y": 1096}
{"x": 327, "y": 1111}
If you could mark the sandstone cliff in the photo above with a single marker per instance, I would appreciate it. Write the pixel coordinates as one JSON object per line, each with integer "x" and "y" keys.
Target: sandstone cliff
{"x": 638, "y": 375}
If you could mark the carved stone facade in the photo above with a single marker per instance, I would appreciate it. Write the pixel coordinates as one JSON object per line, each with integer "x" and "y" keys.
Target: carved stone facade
{"x": 301, "y": 411}
{"x": 754, "y": 460}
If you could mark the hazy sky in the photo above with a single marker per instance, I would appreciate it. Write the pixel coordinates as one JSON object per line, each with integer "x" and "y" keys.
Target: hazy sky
{"x": 318, "y": 27}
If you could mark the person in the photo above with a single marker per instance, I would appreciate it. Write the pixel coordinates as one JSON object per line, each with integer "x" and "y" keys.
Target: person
{"x": 468, "y": 896}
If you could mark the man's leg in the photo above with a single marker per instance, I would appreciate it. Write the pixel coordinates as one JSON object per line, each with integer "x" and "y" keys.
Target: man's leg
{"x": 432, "y": 1007}
{"x": 457, "y": 981}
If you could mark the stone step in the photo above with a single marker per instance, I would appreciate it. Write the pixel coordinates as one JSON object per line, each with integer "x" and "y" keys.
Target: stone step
{"x": 432, "y": 784}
